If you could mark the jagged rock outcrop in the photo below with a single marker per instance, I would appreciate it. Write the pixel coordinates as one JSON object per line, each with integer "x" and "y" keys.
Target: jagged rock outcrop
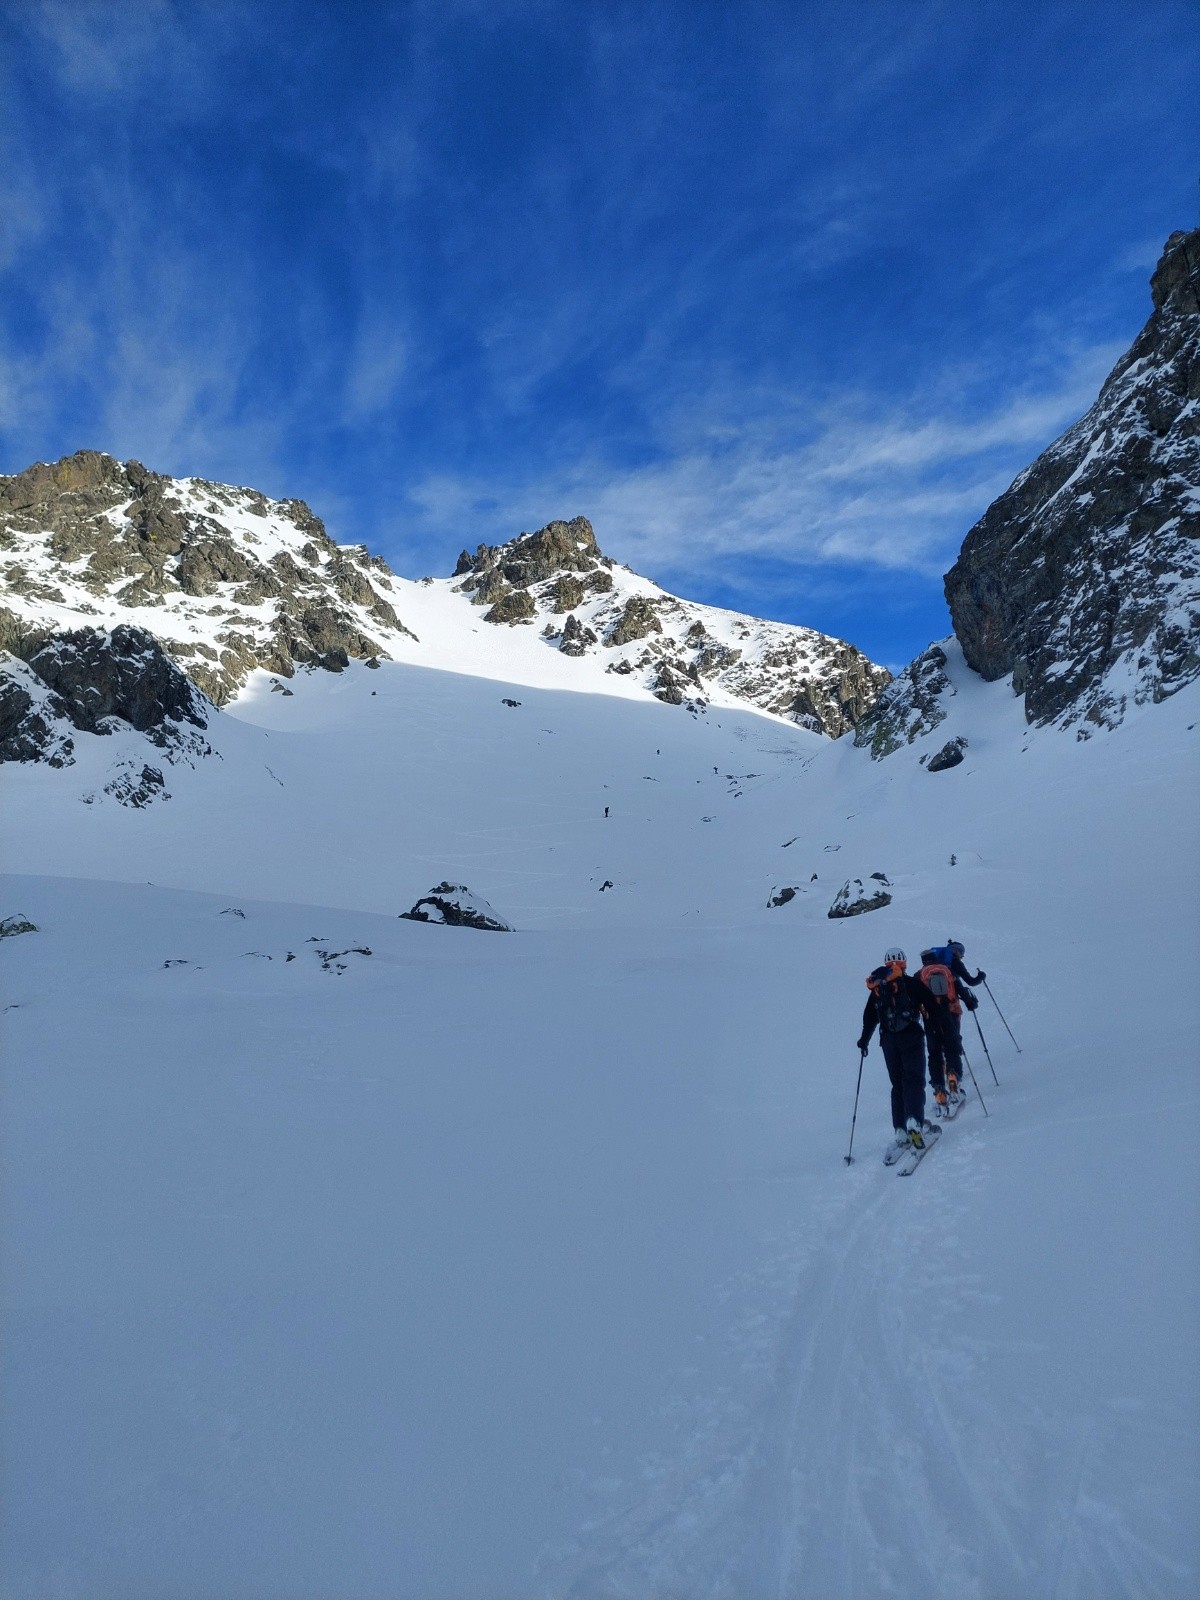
{"x": 911, "y": 705}
{"x": 454, "y": 905}
{"x": 1083, "y": 578}
{"x": 228, "y": 579}
{"x": 683, "y": 653}
{"x": 96, "y": 682}
{"x": 856, "y": 897}
{"x": 18, "y": 923}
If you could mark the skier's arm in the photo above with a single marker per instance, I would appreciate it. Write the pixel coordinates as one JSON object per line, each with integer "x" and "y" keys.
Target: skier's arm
{"x": 961, "y": 973}
{"x": 868, "y": 1026}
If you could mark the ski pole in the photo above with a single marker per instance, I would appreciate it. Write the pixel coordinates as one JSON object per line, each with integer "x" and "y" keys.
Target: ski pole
{"x": 849, "y": 1156}
{"x": 971, "y": 1070}
{"x": 1001, "y": 1015}
{"x": 986, "y": 1051}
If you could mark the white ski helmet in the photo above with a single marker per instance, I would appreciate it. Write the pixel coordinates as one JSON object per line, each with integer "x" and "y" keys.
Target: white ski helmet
{"x": 896, "y": 955}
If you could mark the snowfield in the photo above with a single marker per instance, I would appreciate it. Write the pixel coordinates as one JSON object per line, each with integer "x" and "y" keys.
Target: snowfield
{"x": 436, "y": 1263}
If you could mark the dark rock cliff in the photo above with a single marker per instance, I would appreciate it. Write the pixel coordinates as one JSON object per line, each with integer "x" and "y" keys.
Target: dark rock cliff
{"x": 1083, "y": 579}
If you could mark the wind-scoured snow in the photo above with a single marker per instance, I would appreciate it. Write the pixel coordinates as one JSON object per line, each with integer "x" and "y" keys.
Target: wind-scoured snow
{"x": 346, "y": 1255}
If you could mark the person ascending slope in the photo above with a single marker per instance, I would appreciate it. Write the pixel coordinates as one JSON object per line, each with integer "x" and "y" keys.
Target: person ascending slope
{"x": 897, "y": 1003}
{"x": 942, "y": 972}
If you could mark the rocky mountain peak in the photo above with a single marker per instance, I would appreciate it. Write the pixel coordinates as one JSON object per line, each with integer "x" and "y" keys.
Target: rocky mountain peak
{"x": 588, "y": 604}
{"x": 227, "y": 578}
{"x": 1083, "y": 579}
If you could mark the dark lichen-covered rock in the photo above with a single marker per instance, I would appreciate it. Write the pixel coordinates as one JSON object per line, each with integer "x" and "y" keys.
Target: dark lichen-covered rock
{"x": 455, "y": 906}
{"x": 950, "y": 755}
{"x": 911, "y": 705}
{"x": 856, "y": 897}
{"x": 534, "y": 557}
{"x": 637, "y": 620}
{"x": 33, "y": 721}
{"x": 516, "y": 605}
{"x": 576, "y": 639}
{"x": 1092, "y": 558}
{"x": 565, "y": 593}
{"x": 98, "y": 675}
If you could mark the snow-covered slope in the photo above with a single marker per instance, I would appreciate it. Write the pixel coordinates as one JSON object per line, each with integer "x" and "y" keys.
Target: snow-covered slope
{"x": 351, "y": 1255}
{"x": 230, "y": 581}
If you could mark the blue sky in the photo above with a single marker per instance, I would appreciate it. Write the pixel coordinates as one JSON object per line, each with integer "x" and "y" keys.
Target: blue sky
{"x": 779, "y": 294}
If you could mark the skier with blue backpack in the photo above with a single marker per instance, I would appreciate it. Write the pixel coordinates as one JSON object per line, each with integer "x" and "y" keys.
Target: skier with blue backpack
{"x": 896, "y": 1004}
{"x": 944, "y": 974}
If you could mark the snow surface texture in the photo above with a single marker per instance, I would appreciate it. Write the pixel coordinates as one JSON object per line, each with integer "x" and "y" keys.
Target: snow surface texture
{"x": 231, "y": 580}
{"x": 350, "y": 1256}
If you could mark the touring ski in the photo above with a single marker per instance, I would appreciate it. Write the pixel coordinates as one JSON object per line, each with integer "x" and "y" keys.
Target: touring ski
{"x": 931, "y": 1134}
{"x": 893, "y": 1153}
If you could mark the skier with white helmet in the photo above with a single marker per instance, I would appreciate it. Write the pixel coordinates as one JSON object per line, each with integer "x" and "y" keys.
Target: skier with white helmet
{"x": 897, "y": 1003}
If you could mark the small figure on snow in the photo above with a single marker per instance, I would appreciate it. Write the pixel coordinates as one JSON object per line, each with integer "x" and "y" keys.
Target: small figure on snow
{"x": 897, "y": 1003}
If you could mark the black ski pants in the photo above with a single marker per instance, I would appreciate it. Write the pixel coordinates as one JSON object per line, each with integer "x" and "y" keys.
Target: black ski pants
{"x": 904, "y": 1053}
{"x": 945, "y": 1053}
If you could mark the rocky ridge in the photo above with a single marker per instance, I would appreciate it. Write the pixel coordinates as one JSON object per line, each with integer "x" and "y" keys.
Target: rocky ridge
{"x": 681, "y": 651}
{"x": 1083, "y": 579}
{"x": 226, "y": 578}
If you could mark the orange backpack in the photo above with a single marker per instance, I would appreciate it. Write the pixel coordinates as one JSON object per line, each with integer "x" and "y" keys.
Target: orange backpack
{"x": 940, "y": 981}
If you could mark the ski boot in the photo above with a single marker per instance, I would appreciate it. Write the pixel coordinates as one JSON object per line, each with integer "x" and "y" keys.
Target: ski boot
{"x": 915, "y": 1136}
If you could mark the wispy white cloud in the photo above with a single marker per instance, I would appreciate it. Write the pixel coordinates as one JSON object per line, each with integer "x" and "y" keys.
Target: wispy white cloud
{"x": 859, "y": 486}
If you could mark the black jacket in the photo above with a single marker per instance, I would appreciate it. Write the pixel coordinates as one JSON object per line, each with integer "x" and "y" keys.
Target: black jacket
{"x": 961, "y": 973}
{"x": 923, "y": 998}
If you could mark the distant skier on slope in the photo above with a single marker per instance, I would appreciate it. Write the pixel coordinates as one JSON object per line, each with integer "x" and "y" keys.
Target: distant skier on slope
{"x": 897, "y": 1002}
{"x": 942, "y": 972}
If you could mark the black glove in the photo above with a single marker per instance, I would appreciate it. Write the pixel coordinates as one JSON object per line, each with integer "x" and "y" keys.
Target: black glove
{"x": 981, "y": 976}
{"x": 862, "y": 1046}
{"x": 970, "y": 1001}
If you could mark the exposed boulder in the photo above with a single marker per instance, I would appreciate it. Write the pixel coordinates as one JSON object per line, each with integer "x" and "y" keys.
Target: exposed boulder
{"x": 781, "y": 897}
{"x": 454, "y": 905}
{"x": 855, "y": 897}
{"x": 11, "y": 926}
{"x": 1091, "y": 559}
{"x": 950, "y": 755}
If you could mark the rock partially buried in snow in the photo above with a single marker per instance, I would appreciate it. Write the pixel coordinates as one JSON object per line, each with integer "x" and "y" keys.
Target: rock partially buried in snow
{"x": 780, "y": 897}
{"x": 949, "y": 755}
{"x": 855, "y": 897}
{"x": 454, "y": 905}
{"x": 11, "y": 926}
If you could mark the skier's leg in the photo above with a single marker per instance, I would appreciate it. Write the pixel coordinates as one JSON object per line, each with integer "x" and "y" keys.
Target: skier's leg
{"x": 911, "y": 1045}
{"x": 953, "y": 1029}
{"x": 937, "y": 1060}
{"x": 891, "y": 1055}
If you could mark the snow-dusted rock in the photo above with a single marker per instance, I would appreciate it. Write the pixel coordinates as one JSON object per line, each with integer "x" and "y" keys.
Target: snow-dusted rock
{"x": 226, "y": 578}
{"x": 677, "y": 649}
{"x": 1083, "y": 579}
{"x": 454, "y": 905}
{"x": 911, "y": 705}
{"x": 856, "y": 897}
{"x": 11, "y": 926}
